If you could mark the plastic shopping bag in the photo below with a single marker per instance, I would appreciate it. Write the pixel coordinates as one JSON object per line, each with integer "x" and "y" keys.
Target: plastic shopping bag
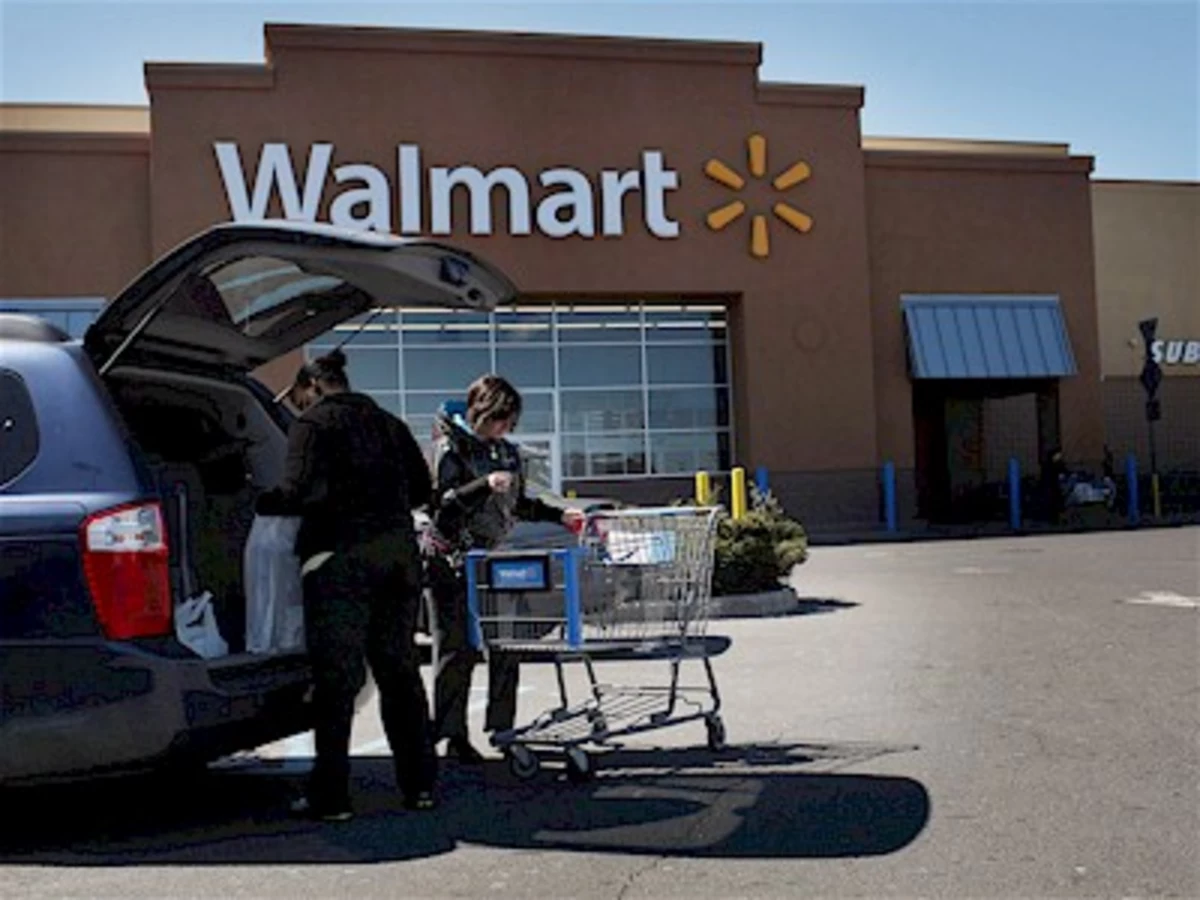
{"x": 196, "y": 627}
{"x": 274, "y": 596}
{"x": 640, "y": 548}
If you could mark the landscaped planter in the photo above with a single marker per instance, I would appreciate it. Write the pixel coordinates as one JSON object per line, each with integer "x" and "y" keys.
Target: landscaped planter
{"x": 780, "y": 602}
{"x": 756, "y": 553}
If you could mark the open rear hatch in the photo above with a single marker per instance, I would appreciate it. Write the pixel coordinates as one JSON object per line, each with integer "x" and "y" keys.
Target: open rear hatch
{"x": 176, "y": 344}
{"x": 242, "y": 294}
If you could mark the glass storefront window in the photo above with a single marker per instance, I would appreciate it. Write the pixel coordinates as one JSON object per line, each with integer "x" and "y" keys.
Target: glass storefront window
{"x": 422, "y": 404}
{"x": 373, "y": 369}
{"x": 441, "y": 327}
{"x": 674, "y": 453}
{"x": 599, "y": 411}
{"x": 599, "y": 325}
{"x": 389, "y": 400}
{"x": 591, "y": 456}
{"x": 685, "y": 324}
{"x": 698, "y": 364}
{"x": 445, "y": 368}
{"x": 599, "y": 366}
{"x": 526, "y": 367}
{"x": 676, "y": 408}
{"x": 522, "y": 326}
{"x": 376, "y": 328}
{"x": 587, "y": 393}
{"x": 537, "y": 415}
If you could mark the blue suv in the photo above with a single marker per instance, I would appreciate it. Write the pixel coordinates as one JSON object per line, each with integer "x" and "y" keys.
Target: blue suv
{"x": 129, "y": 466}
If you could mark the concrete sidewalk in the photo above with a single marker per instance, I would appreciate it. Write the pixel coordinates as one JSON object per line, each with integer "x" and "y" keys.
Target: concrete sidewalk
{"x": 866, "y": 534}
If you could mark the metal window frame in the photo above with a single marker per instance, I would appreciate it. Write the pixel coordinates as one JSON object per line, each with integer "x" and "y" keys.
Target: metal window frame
{"x": 644, "y": 343}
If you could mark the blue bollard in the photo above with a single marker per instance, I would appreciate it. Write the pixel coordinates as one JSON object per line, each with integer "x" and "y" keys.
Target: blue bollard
{"x": 1014, "y": 494}
{"x": 1131, "y": 479}
{"x": 760, "y": 480}
{"x": 889, "y": 495}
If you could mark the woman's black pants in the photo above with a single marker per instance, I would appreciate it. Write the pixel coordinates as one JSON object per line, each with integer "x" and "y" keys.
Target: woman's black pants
{"x": 361, "y": 607}
{"x": 457, "y": 660}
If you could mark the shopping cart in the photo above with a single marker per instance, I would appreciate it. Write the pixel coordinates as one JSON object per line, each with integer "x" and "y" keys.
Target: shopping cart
{"x": 636, "y": 588}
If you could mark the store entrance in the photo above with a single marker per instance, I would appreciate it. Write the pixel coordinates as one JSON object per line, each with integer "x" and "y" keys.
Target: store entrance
{"x": 966, "y": 432}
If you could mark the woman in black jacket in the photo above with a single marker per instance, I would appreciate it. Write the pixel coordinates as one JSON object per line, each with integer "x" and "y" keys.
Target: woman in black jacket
{"x": 354, "y": 474}
{"x": 479, "y": 495}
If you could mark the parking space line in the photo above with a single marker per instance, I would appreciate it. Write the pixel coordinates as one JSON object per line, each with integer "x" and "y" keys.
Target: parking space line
{"x": 1165, "y": 598}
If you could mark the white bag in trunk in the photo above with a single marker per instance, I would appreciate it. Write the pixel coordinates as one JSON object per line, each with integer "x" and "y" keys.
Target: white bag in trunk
{"x": 274, "y": 595}
{"x": 196, "y": 627}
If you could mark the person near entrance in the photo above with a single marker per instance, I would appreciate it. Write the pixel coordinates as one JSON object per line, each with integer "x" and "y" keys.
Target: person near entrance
{"x": 479, "y": 494}
{"x": 1054, "y": 472}
{"x": 354, "y": 472}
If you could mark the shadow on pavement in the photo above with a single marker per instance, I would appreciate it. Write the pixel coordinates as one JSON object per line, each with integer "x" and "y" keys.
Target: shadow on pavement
{"x": 747, "y": 802}
{"x": 809, "y": 605}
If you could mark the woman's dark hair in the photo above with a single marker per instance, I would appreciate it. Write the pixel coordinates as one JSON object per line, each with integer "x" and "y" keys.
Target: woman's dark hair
{"x": 329, "y": 370}
{"x": 303, "y": 379}
{"x": 491, "y": 398}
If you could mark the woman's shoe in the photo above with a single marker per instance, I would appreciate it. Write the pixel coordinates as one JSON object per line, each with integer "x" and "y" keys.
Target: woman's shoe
{"x": 462, "y": 750}
{"x": 420, "y": 801}
{"x": 304, "y": 808}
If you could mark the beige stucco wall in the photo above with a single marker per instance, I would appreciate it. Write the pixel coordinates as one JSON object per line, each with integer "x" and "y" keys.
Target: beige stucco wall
{"x": 1147, "y": 237}
{"x": 74, "y": 212}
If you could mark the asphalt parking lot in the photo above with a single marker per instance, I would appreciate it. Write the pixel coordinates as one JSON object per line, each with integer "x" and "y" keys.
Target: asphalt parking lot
{"x": 1002, "y": 718}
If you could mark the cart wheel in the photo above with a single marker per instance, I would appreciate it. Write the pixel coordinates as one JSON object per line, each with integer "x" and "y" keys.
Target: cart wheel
{"x": 716, "y": 732}
{"x": 579, "y": 766}
{"x": 599, "y": 724}
{"x": 522, "y": 762}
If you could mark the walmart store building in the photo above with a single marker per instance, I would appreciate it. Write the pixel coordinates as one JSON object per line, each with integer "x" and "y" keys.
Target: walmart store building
{"x": 715, "y": 270}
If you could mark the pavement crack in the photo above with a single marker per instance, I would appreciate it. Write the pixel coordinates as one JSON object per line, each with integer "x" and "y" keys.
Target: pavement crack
{"x": 714, "y": 810}
{"x": 637, "y": 873}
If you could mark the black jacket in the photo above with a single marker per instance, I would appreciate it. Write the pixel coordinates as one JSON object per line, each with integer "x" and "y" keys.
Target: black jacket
{"x": 354, "y": 471}
{"x": 466, "y": 510}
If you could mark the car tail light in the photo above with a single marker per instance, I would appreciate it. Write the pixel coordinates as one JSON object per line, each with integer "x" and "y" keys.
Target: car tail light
{"x": 125, "y": 563}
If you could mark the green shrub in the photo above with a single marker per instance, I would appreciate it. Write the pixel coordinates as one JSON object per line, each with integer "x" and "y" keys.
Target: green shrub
{"x": 753, "y": 554}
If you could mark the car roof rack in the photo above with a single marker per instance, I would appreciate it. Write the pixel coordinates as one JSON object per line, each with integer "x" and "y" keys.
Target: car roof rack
{"x": 21, "y": 327}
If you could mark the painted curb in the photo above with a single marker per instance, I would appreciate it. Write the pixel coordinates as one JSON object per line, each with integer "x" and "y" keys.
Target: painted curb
{"x": 766, "y": 603}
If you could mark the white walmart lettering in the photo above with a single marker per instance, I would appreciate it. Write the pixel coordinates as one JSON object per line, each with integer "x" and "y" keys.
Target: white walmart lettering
{"x": 365, "y": 198}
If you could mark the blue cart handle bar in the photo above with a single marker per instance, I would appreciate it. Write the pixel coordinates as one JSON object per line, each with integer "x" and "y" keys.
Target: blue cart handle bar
{"x": 571, "y": 559}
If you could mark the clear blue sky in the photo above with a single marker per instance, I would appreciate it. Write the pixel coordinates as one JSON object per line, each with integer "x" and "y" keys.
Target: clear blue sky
{"x": 1120, "y": 81}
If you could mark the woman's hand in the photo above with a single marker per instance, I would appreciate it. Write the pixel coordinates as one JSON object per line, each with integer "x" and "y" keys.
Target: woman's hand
{"x": 574, "y": 519}
{"x": 500, "y": 482}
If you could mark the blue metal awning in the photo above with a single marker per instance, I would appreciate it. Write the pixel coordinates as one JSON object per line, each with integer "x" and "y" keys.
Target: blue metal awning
{"x": 987, "y": 336}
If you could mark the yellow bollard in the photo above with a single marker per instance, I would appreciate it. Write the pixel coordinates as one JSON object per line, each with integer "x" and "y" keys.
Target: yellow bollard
{"x": 737, "y": 484}
{"x": 703, "y": 489}
{"x": 1157, "y": 496}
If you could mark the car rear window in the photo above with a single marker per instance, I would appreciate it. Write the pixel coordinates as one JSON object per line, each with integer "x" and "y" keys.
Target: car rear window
{"x": 18, "y": 427}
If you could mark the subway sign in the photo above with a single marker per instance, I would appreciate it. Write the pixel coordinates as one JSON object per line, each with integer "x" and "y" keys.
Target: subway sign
{"x": 1175, "y": 352}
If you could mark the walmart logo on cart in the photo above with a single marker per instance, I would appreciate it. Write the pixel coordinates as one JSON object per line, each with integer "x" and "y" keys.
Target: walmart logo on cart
{"x": 571, "y": 202}
{"x": 518, "y": 574}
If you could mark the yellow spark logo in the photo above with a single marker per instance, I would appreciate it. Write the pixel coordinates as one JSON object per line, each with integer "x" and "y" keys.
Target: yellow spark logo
{"x": 724, "y": 216}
